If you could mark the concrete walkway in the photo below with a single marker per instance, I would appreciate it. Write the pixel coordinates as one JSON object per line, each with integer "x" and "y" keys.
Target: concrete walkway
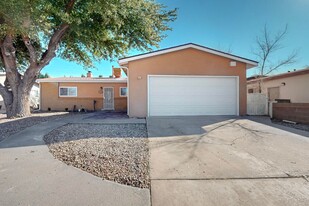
{"x": 226, "y": 161}
{"x": 31, "y": 176}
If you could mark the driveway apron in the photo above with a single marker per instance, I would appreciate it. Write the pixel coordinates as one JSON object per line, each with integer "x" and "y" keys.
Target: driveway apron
{"x": 226, "y": 160}
{"x": 30, "y": 175}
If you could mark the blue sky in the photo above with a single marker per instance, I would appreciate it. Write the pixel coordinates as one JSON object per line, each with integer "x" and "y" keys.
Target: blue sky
{"x": 223, "y": 24}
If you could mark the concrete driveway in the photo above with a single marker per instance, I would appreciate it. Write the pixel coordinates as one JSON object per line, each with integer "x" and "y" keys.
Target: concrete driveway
{"x": 226, "y": 161}
{"x": 30, "y": 175}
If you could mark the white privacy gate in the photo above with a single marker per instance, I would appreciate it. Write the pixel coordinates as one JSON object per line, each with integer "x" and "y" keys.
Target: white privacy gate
{"x": 257, "y": 104}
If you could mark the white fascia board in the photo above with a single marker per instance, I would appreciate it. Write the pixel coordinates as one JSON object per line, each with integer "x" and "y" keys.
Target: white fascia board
{"x": 142, "y": 56}
{"x": 84, "y": 81}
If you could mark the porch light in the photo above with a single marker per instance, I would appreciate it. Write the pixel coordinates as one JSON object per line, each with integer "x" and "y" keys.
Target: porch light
{"x": 233, "y": 64}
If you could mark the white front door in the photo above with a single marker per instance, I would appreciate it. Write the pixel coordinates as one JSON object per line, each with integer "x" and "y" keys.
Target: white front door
{"x": 192, "y": 95}
{"x": 108, "y": 98}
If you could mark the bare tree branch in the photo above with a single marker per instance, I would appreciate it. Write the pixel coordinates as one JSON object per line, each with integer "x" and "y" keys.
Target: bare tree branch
{"x": 33, "y": 71}
{"x": 52, "y": 45}
{"x": 31, "y": 49}
{"x": 56, "y": 38}
{"x": 289, "y": 60}
{"x": 70, "y": 6}
{"x": 9, "y": 60}
{"x": 266, "y": 46}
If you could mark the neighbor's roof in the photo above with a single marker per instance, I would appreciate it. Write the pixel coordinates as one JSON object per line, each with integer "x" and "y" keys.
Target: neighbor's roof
{"x": 3, "y": 74}
{"x": 249, "y": 62}
{"x": 280, "y": 76}
{"x": 84, "y": 80}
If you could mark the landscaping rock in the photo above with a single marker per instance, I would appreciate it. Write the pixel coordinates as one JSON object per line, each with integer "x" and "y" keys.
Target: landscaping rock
{"x": 303, "y": 127}
{"x": 115, "y": 152}
{"x": 12, "y": 126}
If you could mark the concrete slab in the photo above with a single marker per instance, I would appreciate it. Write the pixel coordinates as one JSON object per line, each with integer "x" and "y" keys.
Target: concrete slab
{"x": 31, "y": 176}
{"x": 283, "y": 192}
{"x": 211, "y": 148}
{"x": 226, "y": 149}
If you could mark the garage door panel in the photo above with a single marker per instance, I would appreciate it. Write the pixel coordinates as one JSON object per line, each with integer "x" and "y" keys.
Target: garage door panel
{"x": 178, "y": 95}
{"x": 184, "y": 100}
{"x": 191, "y": 111}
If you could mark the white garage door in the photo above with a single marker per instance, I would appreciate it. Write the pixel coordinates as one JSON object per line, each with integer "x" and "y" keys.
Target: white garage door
{"x": 192, "y": 95}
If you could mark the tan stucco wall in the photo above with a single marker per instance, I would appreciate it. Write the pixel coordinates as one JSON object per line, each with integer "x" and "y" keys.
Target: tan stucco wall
{"x": 184, "y": 62}
{"x": 86, "y": 94}
{"x": 295, "y": 89}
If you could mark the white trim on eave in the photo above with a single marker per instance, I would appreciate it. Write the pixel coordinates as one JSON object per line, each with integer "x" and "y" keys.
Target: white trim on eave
{"x": 84, "y": 81}
{"x": 249, "y": 63}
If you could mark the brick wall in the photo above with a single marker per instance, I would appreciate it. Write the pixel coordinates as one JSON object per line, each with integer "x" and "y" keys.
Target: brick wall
{"x": 297, "y": 112}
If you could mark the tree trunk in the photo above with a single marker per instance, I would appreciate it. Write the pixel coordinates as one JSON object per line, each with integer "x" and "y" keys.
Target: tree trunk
{"x": 19, "y": 106}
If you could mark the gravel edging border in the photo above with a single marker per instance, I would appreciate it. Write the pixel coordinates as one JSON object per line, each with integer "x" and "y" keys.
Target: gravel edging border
{"x": 298, "y": 126}
{"x": 14, "y": 126}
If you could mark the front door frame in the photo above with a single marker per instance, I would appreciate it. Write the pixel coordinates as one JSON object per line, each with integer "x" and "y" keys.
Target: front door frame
{"x": 113, "y": 98}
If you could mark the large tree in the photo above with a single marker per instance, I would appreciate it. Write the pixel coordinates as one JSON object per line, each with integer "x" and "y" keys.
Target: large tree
{"x": 266, "y": 50}
{"x": 33, "y": 32}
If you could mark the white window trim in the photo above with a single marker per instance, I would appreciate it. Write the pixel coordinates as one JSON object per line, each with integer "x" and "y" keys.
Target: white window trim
{"x": 67, "y": 95}
{"x": 120, "y": 92}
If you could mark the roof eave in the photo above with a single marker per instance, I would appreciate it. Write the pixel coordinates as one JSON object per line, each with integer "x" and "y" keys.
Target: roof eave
{"x": 87, "y": 81}
{"x": 250, "y": 63}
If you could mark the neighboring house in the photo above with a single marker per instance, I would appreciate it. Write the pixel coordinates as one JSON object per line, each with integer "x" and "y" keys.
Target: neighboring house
{"x": 88, "y": 93}
{"x": 291, "y": 86}
{"x": 184, "y": 80}
{"x": 34, "y": 95}
{"x": 2, "y": 79}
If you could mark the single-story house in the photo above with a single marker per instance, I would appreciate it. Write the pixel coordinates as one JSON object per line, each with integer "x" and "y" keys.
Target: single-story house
{"x": 286, "y": 86}
{"x": 184, "y": 80}
{"x": 34, "y": 94}
{"x": 83, "y": 93}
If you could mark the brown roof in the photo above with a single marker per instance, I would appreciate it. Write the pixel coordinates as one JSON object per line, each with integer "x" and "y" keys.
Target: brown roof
{"x": 283, "y": 75}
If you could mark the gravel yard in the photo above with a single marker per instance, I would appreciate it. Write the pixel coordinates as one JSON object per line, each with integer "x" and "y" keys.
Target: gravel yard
{"x": 11, "y": 126}
{"x": 304, "y": 127}
{"x": 116, "y": 152}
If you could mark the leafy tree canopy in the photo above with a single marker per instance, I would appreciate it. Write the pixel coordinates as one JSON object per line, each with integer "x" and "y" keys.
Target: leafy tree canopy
{"x": 42, "y": 76}
{"x": 95, "y": 29}
{"x": 33, "y": 32}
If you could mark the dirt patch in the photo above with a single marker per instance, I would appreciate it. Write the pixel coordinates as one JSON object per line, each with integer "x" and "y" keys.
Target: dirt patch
{"x": 116, "y": 152}
{"x": 303, "y": 127}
